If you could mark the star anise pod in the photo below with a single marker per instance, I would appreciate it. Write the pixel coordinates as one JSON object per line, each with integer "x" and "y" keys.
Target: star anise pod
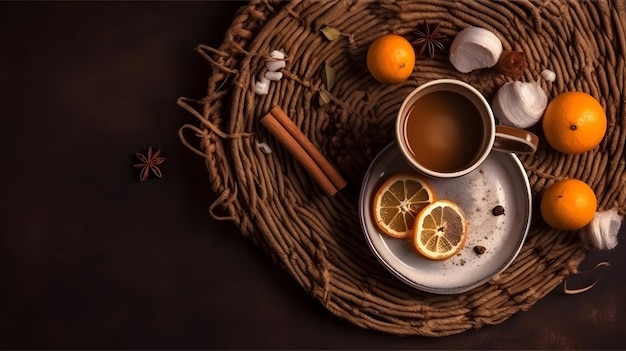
{"x": 149, "y": 163}
{"x": 428, "y": 38}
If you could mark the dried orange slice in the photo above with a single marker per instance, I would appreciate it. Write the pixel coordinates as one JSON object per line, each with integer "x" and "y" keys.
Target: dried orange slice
{"x": 398, "y": 201}
{"x": 440, "y": 230}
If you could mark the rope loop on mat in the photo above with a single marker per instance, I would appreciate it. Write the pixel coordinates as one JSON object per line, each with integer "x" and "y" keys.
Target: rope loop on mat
{"x": 182, "y": 102}
{"x": 199, "y": 133}
{"x": 205, "y": 52}
{"x": 224, "y": 199}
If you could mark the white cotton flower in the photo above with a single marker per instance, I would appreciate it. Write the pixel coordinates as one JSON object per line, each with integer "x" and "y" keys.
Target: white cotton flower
{"x": 519, "y": 104}
{"x": 602, "y": 232}
{"x": 475, "y": 48}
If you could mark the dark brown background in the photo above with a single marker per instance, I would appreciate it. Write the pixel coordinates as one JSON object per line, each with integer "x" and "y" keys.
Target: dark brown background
{"x": 92, "y": 258}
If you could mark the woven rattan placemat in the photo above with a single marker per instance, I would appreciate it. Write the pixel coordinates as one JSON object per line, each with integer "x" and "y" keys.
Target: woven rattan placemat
{"x": 317, "y": 238}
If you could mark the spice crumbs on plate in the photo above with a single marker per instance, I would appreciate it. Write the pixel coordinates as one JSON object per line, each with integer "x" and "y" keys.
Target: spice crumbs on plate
{"x": 498, "y": 210}
{"x": 479, "y": 250}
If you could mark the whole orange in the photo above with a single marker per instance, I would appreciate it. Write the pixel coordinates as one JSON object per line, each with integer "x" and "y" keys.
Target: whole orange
{"x": 568, "y": 204}
{"x": 390, "y": 59}
{"x": 574, "y": 122}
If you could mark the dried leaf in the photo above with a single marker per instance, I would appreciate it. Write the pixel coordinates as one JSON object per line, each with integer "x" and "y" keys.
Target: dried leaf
{"x": 324, "y": 97}
{"x": 328, "y": 76}
{"x": 330, "y": 33}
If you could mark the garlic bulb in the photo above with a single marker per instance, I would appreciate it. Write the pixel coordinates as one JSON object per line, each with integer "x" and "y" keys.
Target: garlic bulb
{"x": 601, "y": 233}
{"x": 519, "y": 104}
{"x": 262, "y": 87}
{"x": 275, "y": 76}
{"x": 274, "y": 65}
{"x": 548, "y": 75}
{"x": 475, "y": 48}
{"x": 266, "y": 149}
{"x": 277, "y": 54}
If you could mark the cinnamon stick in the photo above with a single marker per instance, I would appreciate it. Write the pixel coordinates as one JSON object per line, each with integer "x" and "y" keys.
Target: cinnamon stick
{"x": 288, "y": 134}
{"x": 292, "y": 145}
{"x": 313, "y": 151}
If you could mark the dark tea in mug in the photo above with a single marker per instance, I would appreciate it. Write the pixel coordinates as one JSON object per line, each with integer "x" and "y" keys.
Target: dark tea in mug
{"x": 444, "y": 131}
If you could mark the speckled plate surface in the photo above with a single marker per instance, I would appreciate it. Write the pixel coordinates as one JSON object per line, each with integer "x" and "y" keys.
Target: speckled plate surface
{"x": 500, "y": 180}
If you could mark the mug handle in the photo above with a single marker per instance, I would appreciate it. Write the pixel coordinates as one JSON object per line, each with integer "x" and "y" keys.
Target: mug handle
{"x": 511, "y": 139}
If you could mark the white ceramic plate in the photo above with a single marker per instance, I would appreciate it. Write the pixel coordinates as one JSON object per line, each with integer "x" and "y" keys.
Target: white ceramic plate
{"x": 500, "y": 180}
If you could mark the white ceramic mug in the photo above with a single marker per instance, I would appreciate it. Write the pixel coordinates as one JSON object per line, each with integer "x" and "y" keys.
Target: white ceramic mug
{"x": 491, "y": 136}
